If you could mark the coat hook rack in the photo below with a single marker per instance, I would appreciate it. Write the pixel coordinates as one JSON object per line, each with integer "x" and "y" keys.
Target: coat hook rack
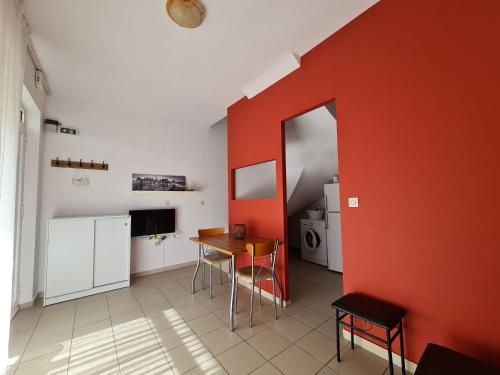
{"x": 79, "y": 164}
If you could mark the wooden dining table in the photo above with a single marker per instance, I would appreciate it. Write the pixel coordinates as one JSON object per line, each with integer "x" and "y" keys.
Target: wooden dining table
{"x": 226, "y": 244}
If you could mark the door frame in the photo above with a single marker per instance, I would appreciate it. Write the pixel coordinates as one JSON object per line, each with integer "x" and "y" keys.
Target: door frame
{"x": 16, "y": 264}
{"x": 283, "y": 176}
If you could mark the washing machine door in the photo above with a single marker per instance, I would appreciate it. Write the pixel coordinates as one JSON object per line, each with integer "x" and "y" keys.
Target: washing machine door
{"x": 311, "y": 240}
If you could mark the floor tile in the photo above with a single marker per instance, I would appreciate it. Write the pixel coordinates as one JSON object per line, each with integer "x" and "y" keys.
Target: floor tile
{"x": 85, "y": 308}
{"x": 327, "y": 371}
{"x": 205, "y": 324}
{"x": 188, "y": 356}
{"x": 58, "y": 344}
{"x": 157, "y": 327}
{"x": 51, "y": 364}
{"x": 51, "y": 329}
{"x": 123, "y": 308}
{"x": 156, "y": 309}
{"x": 220, "y": 340}
{"x": 269, "y": 343}
{"x": 176, "y": 293}
{"x": 92, "y": 317}
{"x": 193, "y": 311}
{"x": 354, "y": 363}
{"x": 241, "y": 359}
{"x": 99, "y": 327}
{"x": 210, "y": 367}
{"x": 292, "y": 329}
{"x": 267, "y": 369}
{"x": 295, "y": 361}
{"x": 311, "y": 317}
{"x": 172, "y": 338}
{"x": 151, "y": 299}
{"x": 318, "y": 345}
{"x": 242, "y": 327}
{"x": 167, "y": 320}
{"x": 149, "y": 361}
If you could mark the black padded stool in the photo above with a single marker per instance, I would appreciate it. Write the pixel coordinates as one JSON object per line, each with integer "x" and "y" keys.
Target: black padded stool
{"x": 380, "y": 313}
{"x": 439, "y": 360}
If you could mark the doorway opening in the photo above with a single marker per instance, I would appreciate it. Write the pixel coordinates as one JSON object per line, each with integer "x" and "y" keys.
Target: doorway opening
{"x": 313, "y": 207}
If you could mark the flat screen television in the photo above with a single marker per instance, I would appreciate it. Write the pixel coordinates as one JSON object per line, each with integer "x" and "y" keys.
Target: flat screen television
{"x": 149, "y": 222}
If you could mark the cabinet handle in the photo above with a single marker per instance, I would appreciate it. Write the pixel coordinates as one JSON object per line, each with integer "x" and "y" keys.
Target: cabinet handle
{"x": 52, "y": 229}
{"x": 125, "y": 224}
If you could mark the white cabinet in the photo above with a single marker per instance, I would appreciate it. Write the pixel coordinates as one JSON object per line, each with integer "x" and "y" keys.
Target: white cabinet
{"x": 86, "y": 255}
{"x": 112, "y": 250}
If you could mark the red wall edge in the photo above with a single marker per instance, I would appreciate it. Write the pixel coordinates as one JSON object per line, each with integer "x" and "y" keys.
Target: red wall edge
{"x": 417, "y": 86}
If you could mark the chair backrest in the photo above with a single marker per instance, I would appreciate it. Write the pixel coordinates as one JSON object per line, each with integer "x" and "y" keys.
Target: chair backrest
{"x": 268, "y": 249}
{"x": 261, "y": 249}
{"x": 208, "y": 232}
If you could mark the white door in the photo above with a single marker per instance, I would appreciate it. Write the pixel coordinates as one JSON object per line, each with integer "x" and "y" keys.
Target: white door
{"x": 334, "y": 242}
{"x": 112, "y": 250}
{"x": 19, "y": 217}
{"x": 70, "y": 256}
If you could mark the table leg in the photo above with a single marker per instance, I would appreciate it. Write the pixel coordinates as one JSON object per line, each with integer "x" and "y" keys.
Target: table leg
{"x": 233, "y": 297}
{"x": 281, "y": 291}
{"x": 196, "y": 270}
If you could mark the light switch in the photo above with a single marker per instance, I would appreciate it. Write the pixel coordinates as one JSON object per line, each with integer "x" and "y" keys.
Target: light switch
{"x": 353, "y": 202}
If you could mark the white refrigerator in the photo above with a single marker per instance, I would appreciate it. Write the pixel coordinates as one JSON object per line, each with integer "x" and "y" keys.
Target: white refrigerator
{"x": 333, "y": 230}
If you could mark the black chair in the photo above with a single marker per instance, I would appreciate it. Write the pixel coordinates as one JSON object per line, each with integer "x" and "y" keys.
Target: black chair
{"x": 439, "y": 360}
{"x": 379, "y": 313}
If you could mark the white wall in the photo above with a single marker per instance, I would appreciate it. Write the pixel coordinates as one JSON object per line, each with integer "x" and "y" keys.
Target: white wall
{"x": 133, "y": 143}
{"x": 311, "y": 144}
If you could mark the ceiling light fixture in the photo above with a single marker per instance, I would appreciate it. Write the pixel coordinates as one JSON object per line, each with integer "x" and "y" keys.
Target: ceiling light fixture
{"x": 186, "y": 13}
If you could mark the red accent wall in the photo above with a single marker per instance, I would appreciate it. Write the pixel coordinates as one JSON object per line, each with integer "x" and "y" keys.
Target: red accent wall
{"x": 417, "y": 86}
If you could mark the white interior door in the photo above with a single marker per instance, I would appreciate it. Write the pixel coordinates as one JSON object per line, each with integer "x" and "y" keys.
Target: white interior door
{"x": 112, "y": 250}
{"x": 70, "y": 256}
{"x": 19, "y": 217}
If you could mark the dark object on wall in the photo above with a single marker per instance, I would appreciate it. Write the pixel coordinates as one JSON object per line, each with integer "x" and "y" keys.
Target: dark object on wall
{"x": 238, "y": 231}
{"x": 153, "y": 182}
{"x": 152, "y": 222}
{"x": 79, "y": 164}
{"x": 439, "y": 360}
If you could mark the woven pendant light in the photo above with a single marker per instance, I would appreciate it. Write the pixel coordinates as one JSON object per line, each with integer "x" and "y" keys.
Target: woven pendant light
{"x": 186, "y": 13}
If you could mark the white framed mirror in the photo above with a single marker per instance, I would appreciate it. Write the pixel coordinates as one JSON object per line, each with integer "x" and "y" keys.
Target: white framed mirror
{"x": 256, "y": 181}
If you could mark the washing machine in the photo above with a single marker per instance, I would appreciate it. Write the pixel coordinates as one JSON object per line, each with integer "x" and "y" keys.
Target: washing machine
{"x": 314, "y": 247}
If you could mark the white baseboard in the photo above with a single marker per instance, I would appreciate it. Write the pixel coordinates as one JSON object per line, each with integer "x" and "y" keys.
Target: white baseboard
{"x": 27, "y": 305}
{"x": 379, "y": 351}
{"x": 163, "y": 269}
{"x": 266, "y": 294}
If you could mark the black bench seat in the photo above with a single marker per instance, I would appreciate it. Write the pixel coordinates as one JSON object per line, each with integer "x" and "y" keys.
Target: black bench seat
{"x": 382, "y": 314}
{"x": 439, "y": 360}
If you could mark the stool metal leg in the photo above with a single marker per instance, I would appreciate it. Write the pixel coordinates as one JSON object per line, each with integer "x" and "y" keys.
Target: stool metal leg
{"x": 338, "y": 333}
{"x": 389, "y": 351}
{"x": 402, "y": 347}
{"x": 352, "y": 332}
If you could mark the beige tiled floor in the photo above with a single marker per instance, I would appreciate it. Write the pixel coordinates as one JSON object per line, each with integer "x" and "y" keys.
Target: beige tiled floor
{"x": 157, "y": 327}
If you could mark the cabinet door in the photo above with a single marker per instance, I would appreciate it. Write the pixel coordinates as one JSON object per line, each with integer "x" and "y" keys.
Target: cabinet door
{"x": 112, "y": 250}
{"x": 70, "y": 256}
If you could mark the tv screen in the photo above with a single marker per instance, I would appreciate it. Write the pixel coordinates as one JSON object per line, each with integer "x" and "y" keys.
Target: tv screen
{"x": 149, "y": 222}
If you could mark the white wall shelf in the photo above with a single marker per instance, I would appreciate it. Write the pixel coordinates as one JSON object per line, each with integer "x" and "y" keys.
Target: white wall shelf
{"x": 184, "y": 193}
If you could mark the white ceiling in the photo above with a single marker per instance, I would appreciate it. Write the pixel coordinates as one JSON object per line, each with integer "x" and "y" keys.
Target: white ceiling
{"x": 128, "y": 55}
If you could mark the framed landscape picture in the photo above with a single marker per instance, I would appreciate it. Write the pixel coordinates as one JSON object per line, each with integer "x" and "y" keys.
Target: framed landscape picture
{"x": 155, "y": 182}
